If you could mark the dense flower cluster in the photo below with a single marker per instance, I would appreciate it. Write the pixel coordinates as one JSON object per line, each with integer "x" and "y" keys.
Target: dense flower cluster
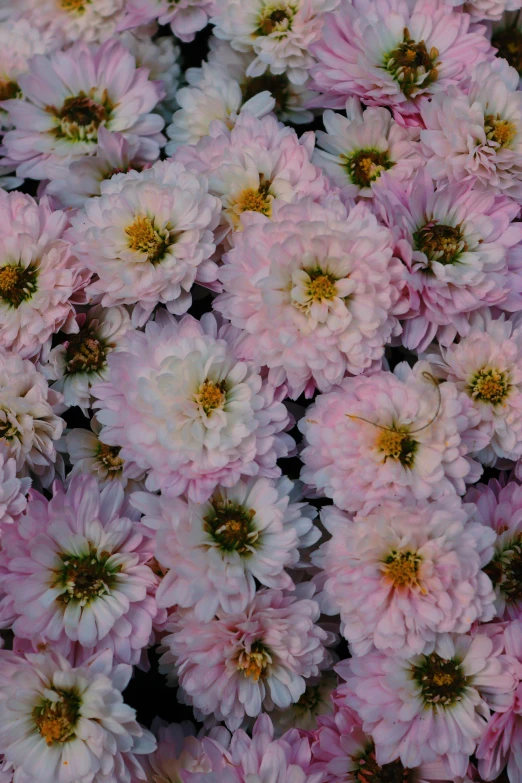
{"x": 260, "y": 391}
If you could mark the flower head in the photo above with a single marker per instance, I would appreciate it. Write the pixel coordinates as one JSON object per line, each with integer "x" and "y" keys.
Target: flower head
{"x": 13, "y": 492}
{"x": 69, "y": 95}
{"x": 215, "y": 551}
{"x": 460, "y": 249}
{"x": 280, "y": 32}
{"x": 389, "y": 435}
{"x": 60, "y": 724}
{"x": 180, "y": 405}
{"x": 238, "y": 664}
{"x": 185, "y": 17}
{"x": 315, "y": 289}
{"x": 72, "y": 20}
{"x": 395, "y": 53}
{"x": 418, "y": 575}
{"x": 93, "y": 586}
{"x": 157, "y": 225}
{"x": 485, "y": 9}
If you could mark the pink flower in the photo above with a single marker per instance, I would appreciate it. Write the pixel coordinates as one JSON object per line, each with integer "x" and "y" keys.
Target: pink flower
{"x": 75, "y": 567}
{"x": 185, "y": 17}
{"x": 478, "y": 132}
{"x": 389, "y": 435}
{"x": 500, "y": 507}
{"x": 253, "y": 166}
{"x": 315, "y": 290}
{"x": 214, "y": 552}
{"x": 40, "y": 279}
{"x": 455, "y": 242}
{"x": 417, "y": 575}
{"x": 486, "y": 9}
{"x": 501, "y": 744}
{"x": 394, "y": 53}
{"x": 180, "y": 405}
{"x": 431, "y": 705}
{"x": 13, "y": 492}
{"x": 69, "y": 95}
{"x": 238, "y": 664}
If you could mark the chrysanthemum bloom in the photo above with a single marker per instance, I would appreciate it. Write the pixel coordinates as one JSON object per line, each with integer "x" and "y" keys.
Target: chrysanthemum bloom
{"x": 115, "y": 154}
{"x": 315, "y": 701}
{"x": 179, "y": 750}
{"x": 291, "y": 99}
{"x": 315, "y": 290}
{"x": 390, "y": 435}
{"x": 82, "y": 360}
{"x": 185, "y": 17}
{"x": 40, "y": 278}
{"x": 148, "y": 238}
{"x": 19, "y": 41}
{"x": 181, "y": 406}
{"x": 211, "y": 98}
{"x": 260, "y": 758}
{"x": 72, "y": 20}
{"x": 431, "y": 705}
{"x": 501, "y": 508}
{"x": 394, "y": 53}
{"x": 29, "y": 426}
{"x": 486, "y": 9}
{"x": 280, "y": 32}
{"x": 417, "y": 575}
{"x": 257, "y": 163}
{"x": 477, "y": 133}
{"x": 487, "y": 366}
{"x": 93, "y": 585}
{"x": 88, "y": 455}
{"x": 69, "y": 96}
{"x": 60, "y": 724}
{"x": 343, "y": 753}
{"x": 215, "y": 551}
{"x": 13, "y": 492}
{"x": 501, "y": 745}
{"x": 358, "y": 148}
{"x": 455, "y": 242}
{"x": 238, "y": 664}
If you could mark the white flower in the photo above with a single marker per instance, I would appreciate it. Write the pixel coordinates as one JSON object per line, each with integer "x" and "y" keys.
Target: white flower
{"x": 82, "y": 360}
{"x": 73, "y": 20}
{"x": 28, "y": 424}
{"x": 280, "y": 32}
{"x": 60, "y": 724}
{"x": 215, "y": 551}
{"x": 356, "y": 149}
{"x": 13, "y": 492}
{"x": 148, "y": 238}
{"x": 487, "y": 366}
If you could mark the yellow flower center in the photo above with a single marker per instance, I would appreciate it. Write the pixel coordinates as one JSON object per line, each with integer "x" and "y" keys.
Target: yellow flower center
{"x": 402, "y": 569}
{"x": 255, "y": 663}
{"x": 489, "y": 385}
{"x": 411, "y": 65}
{"x": 144, "y": 238}
{"x": 396, "y": 445}
{"x": 109, "y": 456}
{"x": 210, "y": 396}
{"x": 252, "y": 200}
{"x": 275, "y": 18}
{"x": 56, "y": 720}
{"x": 322, "y": 287}
{"x": 500, "y": 131}
{"x": 17, "y": 283}
{"x": 77, "y": 6}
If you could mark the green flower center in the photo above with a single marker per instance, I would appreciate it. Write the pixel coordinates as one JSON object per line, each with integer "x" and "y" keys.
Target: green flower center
{"x": 489, "y": 385}
{"x": 85, "y": 577}
{"x": 17, "y": 283}
{"x": 145, "y": 238}
{"x": 440, "y": 243}
{"x": 254, "y": 663}
{"x": 365, "y": 166}
{"x": 80, "y": 117}
{"x": 505, "y": 570}
{"x": 231, "y": 526}
{"x": 397, "y": 445}
{"x": 442, "y": 682}
{"x": 500, "y": 131}
{"x": 509, "y": 45}
{"x": 411, "y": 65}
{"x": 56, "y": 720}
{"x": 368, "y": 771}
{"x": 85, "y": 352}
{"x": 276, "y": 84}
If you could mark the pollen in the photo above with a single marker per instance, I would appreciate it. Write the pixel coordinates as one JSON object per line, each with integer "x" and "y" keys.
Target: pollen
{"x": 210, "y": 396}
{"x": 502, "y": 132}
{"x": 252, "y": 200}
{"x": 402, "y": 569}
{"x": 322, "y": 287}
{"x": 145, "y": 238}
{"x": 489, "y": 385}
{"x": 254, "y": 664}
